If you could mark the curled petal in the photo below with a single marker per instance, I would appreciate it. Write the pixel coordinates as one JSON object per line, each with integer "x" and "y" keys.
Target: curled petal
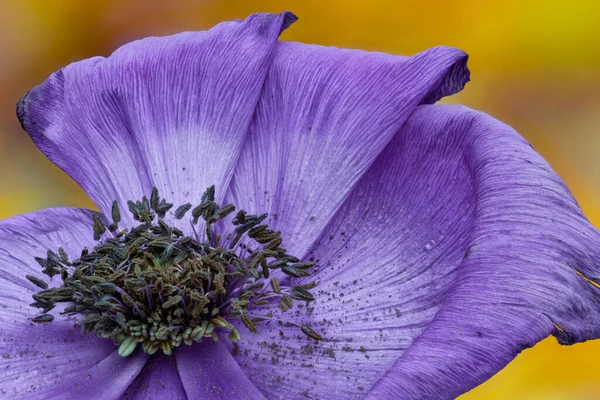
{"x": 529, "y": 269}
{"x": 323, "y": 117}
{"x": 457, "y": 249}
{"x": 169, "y": 112}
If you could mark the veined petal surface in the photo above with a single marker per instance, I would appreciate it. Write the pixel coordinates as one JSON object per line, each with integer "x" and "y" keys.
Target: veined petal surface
{"x": 208, "y": 371}
{"x": 54, "y": 360}
{"x": 158, "y": 379}
{"x": 168, "y": 112}
{"x": 323, "y": 117}
{"x": 530, "y": 268}
{"x": 458, "y": 248}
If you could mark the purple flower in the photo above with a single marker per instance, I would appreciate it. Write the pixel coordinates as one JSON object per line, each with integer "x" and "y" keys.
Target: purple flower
{"x": 441, "y": 243}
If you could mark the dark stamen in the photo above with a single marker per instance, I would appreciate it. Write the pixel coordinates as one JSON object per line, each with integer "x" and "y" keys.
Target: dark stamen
{"x": 181, "y": 210}
{"x": 151, "y": 285}
{"x": 310, "y": 333}
{"x": 36, "y": 281}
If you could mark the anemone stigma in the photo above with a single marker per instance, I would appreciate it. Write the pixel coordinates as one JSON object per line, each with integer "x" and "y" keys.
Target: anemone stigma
{"x": 155, "y": 287}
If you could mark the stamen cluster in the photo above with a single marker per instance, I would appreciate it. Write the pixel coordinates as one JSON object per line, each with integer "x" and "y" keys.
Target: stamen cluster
{"x": 153, "y": 285}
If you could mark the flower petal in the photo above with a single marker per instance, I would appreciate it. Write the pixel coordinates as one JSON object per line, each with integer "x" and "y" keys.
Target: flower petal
{"x": 377, "y": 262}
{"x": 456, "y": 250}
{"x": 209, "y": 372}
{"x": 51, "y": 361}
{"x": 108, "y": 379}
{"x": 169, "y": 112}
{"x": 323, "y": 117}
{"x": 159, "y": 379}
{"x": 529, "y": 269}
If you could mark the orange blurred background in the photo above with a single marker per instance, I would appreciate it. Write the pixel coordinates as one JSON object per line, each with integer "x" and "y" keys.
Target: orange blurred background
{"x": 534, "y": 65}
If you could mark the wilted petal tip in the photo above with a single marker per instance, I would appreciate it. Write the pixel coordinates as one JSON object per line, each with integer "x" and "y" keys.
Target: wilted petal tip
{"x": 288, "y": 19}
{"x": 456, "y": 77}
{"x": 269, "y": 21}
{"x": 33, "y": 109}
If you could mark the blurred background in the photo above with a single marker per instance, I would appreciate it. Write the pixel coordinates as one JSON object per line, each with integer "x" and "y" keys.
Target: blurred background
{"x": 534, "y": 65}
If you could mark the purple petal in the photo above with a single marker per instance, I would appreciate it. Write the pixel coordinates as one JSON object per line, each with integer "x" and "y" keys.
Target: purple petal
{"x": 169, "y": 112}
{"x": 52, "y": 360}
{"x": 459, "y": 248}
{"x": 208, "y": 371}
{"x": 31, "y": 235}
{"x": 159, "y": 379}
{"x": 109, "y": 379}
{"x": 323, "y": 117}
{"x": 36, "y": 360}
{"x": 528, "y": 270}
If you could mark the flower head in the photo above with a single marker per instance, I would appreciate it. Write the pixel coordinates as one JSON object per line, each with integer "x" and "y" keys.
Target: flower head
{"x": 387, "y": 247}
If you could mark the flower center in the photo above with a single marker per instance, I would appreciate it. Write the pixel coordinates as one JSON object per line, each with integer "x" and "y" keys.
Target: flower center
{"x": 153, "y": 285}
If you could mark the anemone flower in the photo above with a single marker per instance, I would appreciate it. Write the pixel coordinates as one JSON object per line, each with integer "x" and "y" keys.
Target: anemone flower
{"x": 281, "y": 220}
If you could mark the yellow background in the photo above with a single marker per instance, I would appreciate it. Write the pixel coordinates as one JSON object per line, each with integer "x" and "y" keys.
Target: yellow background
{"x": 534, "y": 65}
